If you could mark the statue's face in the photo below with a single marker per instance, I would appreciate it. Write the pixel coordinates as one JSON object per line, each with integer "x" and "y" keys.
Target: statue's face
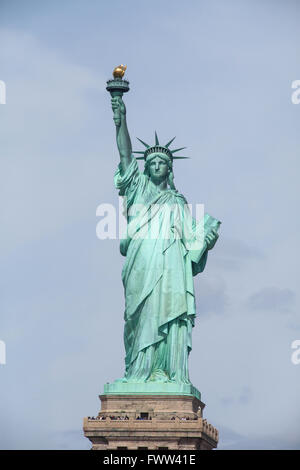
{"x": 158, "y": 169}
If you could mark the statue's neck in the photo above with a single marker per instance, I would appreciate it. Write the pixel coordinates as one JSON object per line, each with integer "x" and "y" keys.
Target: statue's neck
{"x": 160, "y": 185}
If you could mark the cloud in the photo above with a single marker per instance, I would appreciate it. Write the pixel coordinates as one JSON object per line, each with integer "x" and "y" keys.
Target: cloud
{"x": 49, "y": 166}
{"x": 44, "y": 91}
{"x": 69, "y": 440}
{"x": 242, "y": 398}
{"x": 272, "y": 298}
{"x": 233, "y": 253}
{"x": 231, "y": 440}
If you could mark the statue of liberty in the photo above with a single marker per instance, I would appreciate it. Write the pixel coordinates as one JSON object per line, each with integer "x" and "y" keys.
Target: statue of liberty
{"x": 158, "y": 271}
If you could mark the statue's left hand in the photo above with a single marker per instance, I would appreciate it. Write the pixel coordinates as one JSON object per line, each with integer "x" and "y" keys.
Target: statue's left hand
{"x": 211, "y": 239}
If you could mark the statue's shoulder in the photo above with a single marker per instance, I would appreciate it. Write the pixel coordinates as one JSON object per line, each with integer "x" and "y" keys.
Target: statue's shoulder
{"x": 180, "y": 198}
{"x": 130, "y": 178}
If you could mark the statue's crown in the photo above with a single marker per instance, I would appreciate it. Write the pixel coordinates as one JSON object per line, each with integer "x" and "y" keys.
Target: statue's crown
{"x": 158, "y": 148}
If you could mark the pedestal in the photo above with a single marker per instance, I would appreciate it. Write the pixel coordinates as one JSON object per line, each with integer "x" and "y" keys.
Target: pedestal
{"x": 172, "y": 422}
{"x": 151, "y": 388}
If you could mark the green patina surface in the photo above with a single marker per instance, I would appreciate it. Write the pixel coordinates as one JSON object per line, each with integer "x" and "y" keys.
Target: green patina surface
{"x": 158, "y": 270}
{"x": 151, "y": 389}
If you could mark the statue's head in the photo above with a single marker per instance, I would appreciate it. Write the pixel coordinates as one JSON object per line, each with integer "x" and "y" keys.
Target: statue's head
{"x": 159, "y": 161}
{"x": 158, "y": 167}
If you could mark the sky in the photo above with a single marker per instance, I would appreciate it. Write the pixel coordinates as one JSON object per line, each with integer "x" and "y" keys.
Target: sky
{"x": 218, "y": 75}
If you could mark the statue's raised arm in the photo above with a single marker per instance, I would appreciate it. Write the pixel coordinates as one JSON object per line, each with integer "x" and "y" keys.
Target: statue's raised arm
{"x": 123, "y": 139}
{"x": 116, "y": 87}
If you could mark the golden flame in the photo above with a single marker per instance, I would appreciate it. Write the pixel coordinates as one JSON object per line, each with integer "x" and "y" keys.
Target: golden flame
{"x": 119, "y": 71}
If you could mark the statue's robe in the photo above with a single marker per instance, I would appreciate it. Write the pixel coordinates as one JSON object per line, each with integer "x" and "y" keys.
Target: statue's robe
{"x": 158, "y": 277}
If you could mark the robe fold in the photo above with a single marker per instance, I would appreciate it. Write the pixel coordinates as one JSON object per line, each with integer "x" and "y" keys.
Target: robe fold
{"x": 164, "y": 249}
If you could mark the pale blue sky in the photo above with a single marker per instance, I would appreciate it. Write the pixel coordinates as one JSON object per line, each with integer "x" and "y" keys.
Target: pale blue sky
{"x": 217, "y": 74}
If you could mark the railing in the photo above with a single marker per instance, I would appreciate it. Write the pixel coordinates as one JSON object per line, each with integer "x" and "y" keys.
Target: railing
{"x": 185, "y": 422}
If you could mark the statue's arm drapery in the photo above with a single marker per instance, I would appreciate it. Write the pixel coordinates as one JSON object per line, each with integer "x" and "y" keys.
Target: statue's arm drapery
{"x": 129, "y": 183}
{"x": 128, "y": 180}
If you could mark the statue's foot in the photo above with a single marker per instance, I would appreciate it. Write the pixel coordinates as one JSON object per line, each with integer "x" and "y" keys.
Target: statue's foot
{"x": 180, "y": 381}
{"x": 158, "y": 376}
{"x": 122, "y": 380}
{"x": 130, "y": 380}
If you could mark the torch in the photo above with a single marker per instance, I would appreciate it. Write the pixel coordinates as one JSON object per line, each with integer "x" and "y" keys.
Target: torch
{"x": 116, "y": 87}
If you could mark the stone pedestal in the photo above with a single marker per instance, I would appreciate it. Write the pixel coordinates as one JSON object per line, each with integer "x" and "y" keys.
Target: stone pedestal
{"x": 153, "y": 422}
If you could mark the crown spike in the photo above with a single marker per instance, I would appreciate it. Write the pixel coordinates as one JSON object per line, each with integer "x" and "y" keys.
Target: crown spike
{"x": 175, "y": 158}
{"x": 137, "y": 151}
{"x": 156, "y": 139}
{"x": 169, "y": 143}
{"x": 177, "y": 150}
{"x": 144, "y": 143}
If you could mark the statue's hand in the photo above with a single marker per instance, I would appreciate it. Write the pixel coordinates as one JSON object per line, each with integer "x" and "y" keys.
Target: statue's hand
{"x": 118, "y": 108}
{"x": 211, "y": 239}
{"x": 118, "y": 103}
